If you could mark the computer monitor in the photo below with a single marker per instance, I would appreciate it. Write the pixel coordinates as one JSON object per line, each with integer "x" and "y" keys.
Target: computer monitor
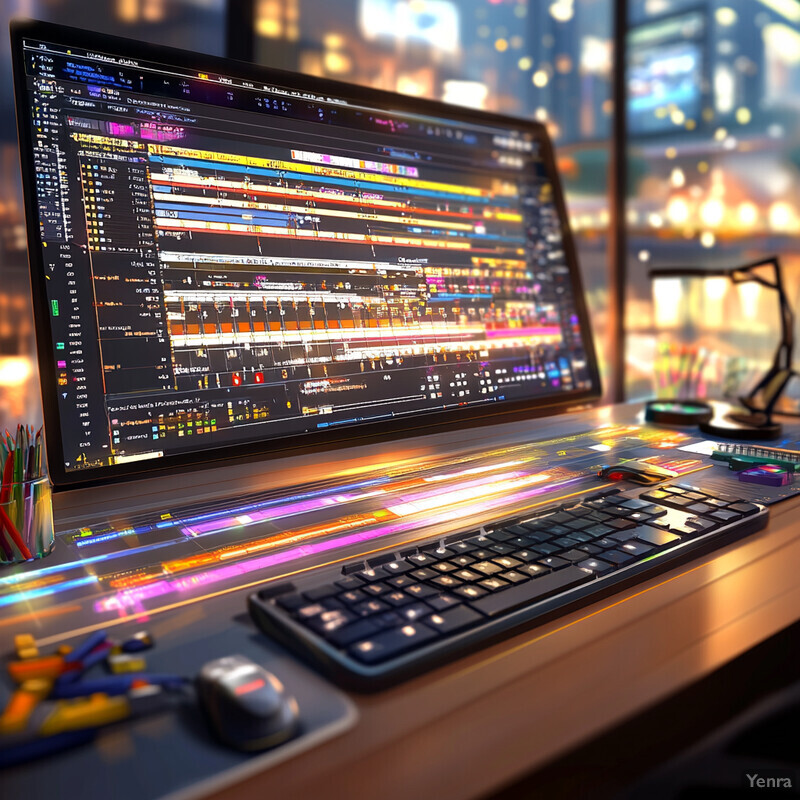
{"x": 228, "y": 259}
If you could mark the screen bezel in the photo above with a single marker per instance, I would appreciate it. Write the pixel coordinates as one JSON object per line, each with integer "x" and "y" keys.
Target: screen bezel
{"x": 315, "y": 440}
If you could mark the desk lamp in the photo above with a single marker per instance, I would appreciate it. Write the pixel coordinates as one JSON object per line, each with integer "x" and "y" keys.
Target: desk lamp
{"x": 755, "y": 422}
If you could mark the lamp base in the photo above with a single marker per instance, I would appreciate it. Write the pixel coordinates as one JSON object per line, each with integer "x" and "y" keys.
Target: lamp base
{"x": 743, "y": 426}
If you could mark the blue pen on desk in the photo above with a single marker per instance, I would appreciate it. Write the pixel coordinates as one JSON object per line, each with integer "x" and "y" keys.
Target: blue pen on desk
{"x": 86, "y": 647}
{"x": 117, "y": 685}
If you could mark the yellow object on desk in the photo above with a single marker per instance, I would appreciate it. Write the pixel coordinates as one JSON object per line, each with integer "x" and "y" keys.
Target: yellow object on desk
{"x": 86, "y": 712}
{"x": 120, "y": 663}
{"x": 25, "y": 646}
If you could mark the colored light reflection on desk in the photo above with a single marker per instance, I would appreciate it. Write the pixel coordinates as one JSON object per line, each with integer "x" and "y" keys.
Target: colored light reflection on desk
{"x": 130, "y": 599}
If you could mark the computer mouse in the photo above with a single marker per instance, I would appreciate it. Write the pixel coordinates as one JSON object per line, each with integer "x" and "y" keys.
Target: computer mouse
{"x": 247, "y": 706}
{"x": 637, "y": 472}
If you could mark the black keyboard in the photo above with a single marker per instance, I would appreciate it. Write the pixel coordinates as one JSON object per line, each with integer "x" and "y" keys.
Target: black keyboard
{"x": 378, "y": 622}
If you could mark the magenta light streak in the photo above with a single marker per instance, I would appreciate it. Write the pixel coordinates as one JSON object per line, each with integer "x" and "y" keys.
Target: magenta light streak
{"x": 506, "y": 332}
{"x": 130, "y": 597}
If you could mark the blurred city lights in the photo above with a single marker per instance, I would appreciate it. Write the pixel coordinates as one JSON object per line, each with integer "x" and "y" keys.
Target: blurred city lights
{"x": 782, "y": 218}
{"x": 677, "y": 211}
{"x": 562, "y": 10}
{"x": 707, "y": 239}
{"x": 15, "y": 370}
{"x": 748, "y": 213}
{"x": 712, "y": 212}
{"x": 725, "y": 16}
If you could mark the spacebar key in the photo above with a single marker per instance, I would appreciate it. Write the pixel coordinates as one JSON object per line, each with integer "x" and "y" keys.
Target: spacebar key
{"x": 524, "y": 594}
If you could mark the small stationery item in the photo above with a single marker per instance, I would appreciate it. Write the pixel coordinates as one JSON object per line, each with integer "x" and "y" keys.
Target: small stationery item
{"x": 26, "y": 507}
{"x": 767, "y": 475}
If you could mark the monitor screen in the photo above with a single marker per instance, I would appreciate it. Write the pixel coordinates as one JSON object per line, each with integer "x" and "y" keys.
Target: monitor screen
{"x": 224, "y": 256}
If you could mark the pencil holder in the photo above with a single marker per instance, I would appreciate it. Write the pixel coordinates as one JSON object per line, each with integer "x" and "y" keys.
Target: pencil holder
{"x": 26, "y": 521}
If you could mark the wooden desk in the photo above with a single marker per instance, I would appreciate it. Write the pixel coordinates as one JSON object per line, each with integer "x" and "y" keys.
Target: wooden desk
{"x": 471, "y": 727}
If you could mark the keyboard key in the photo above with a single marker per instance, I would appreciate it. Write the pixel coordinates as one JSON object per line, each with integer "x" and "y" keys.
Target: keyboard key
{"x": 746, "y": 509}
{"x": 388, "y": 644}
{"x": 420, "y": 590}
{"x": 470, "y": 592}
{"x": 391, "y": 619}
{"x": 580, "y": 511}
{"x": 634, "y": 503}
{"x": 500, "y": 535}
{"x": 599, "y": 530}
{"x": 656, "y": 495}
{"x": 369, "y": 607}
{"x": 463, "y": 561}
{"x": 573, "y": 555}
{"x": 420, "y": 560}
{"x": 580, "y": 536}
{"x": 596, "y": 565}
{"x": 700, "y": 508}
{"x": 524, "y": 594}
{"x": 494, "y": 584}
{"x": 401, "y": 581}
{"x": 442, "y": 602}
{"x": 636, "y": 548}
{"x": 483, "y": 555}
{"x": 621, "y": 524}
{"x": 330, "y": 621}
{"x": 423, "y": 574}
{"x": 526, "y": 556}
{"x": 535, "y": 570}
{"x": 291, "y": 601}
{"x": 441, "y": 553}
{"x": 370, "y": 575}
{"x": 396, "y": 599}
{"x": 545, "y": 549}
{"x": 445, "y": 566}
{"x": 564, "y": 543}
{"x": 691, "y": 527}
{"x": 517, "y": 530}
{"x": 308, "y": 611}
{"x": 468, "y": 575}
{"x": 486, "y": 567}
{"x": 353, "y": 633}
{"x": 605, "y": 543}
{"x": 513, "y": 576}
{"x": 591, "y": 549}
{"x": 397, "y": 567}
{"x": 502, "y": 548}
{"x": 656, "y": 537}
{"x": 446, "y": 581}
{"x": 507, "y": 562}
{"x": 350, "y": 582}
{"x": 353, "y": 597}
{"x": 617, "y": 557}
{"x": 460, "y": 547}
{"x": 554, "y": 562}
{"x": 455, "y": 619}
{"x": 332, "y": 603}
{"x": 375, "y": 589}
{"x": 414, "y": 612}
{"x": 725, "y": 515}
{"x": 596, "y": 518}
